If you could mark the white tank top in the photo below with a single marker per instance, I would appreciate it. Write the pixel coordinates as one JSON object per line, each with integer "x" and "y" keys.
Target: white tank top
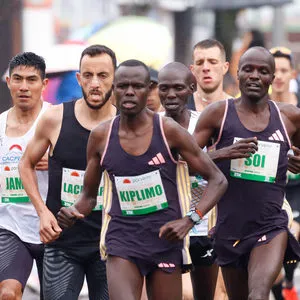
{"x": 17, "y": 214}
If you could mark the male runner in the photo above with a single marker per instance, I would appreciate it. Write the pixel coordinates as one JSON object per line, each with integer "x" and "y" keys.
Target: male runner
{"x": 19, "y": 226}
{"x": 209, "y": 68}
{"x": 143, "y": 226}
{"x": 251, "y": 236}
{"x": 153, "y": 101}
{"x": 65, "y": 129}
{"x": 284, "y": 72}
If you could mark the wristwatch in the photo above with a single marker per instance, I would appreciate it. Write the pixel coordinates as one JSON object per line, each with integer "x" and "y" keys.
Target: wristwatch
{"x": 194, "y": 217}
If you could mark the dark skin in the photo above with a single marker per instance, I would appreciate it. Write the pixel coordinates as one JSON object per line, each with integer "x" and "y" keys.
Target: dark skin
{"x": 131, "y": 86}
{"x": 256, "y": 73}
{"x": 176, "y": 83}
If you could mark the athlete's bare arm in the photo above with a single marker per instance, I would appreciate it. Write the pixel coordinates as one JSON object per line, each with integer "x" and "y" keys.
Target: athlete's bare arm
{"x": 208, "y": 127}
{"x": 291, "y": 118}
{"x": 46, "y": 130}
{"x": 178, "y": 138}
{"x": 87, "y": 199}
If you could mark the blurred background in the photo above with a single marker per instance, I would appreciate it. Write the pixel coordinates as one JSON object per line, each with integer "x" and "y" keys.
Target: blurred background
{"x": 155, "y": 31}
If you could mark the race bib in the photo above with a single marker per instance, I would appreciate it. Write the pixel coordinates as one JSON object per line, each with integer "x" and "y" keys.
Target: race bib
{"x": 12, "y": 189}
{"x": 139, "y": 195}
{"x": 72, "y": 185}
{"x": 261, "y": 166}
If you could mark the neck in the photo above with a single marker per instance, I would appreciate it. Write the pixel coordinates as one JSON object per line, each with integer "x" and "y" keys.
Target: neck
{"x": 26, "y": 116}
{"x": 282, "y": 97}
{"x": 214, "y": 96}
{"x": 106, "y": 112}
{"x": 135, "y": 122}
{"x": 182, "y": 117}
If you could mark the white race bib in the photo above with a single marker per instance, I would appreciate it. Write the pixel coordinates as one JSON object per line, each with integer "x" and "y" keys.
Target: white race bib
{"x": 139, "y": 195}
{"x": 261, "y": 166}
{"x": 12, "y": 189}
{"x": 72, "y": 185}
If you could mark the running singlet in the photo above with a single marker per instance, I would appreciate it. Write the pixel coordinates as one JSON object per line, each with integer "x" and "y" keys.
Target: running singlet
{"x": 252, "y": 204}
{"x": 66, "y": 170}
{"x": 18, "y": 215}
{"x": 141, "y": 194}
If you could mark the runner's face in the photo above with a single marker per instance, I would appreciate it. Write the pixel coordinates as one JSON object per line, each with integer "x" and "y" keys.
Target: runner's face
{"x": 283, "y": 75}
{"x": 173, "y": 91}
{"x": 255, "y": 74}
{"x": 26, "y": 87}
{"x": 131, "y": 88}
{"x": 95, "y": 78}
{"x": 153, "y": 101}
{"x": 209, "y": 68}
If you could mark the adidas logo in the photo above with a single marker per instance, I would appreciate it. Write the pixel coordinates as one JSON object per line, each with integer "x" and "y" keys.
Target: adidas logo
{"x": 276, "y": 136}
{"x": 166, "y": 265}
{"x": 262, "y": 239}
{"x": 158, "y": 159}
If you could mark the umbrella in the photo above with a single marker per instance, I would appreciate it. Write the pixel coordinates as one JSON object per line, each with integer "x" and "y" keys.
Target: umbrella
{"x": 134, "y": 37}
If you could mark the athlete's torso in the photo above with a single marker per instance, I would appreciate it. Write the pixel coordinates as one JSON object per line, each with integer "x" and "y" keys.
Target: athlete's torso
{"x": 17, "y": 213}
{"x": 251, "y": 207}
{"x": 66, "y": 169}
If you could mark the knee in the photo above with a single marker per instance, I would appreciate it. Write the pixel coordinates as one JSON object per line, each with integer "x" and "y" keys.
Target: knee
{"x": 9, "y": 294}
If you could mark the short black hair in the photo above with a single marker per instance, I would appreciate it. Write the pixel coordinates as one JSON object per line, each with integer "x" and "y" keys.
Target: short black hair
{"x": 28, "y": 59}
{"x": 135, "y": 63}
{"x": 210, "y": 43}
{"x": 95, "y": 50}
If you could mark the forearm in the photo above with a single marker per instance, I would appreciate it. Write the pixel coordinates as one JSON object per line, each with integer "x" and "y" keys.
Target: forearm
{"x": 85, "y": 204}
{"x": 30, "y": 183}
{"x": 217, "y": 155}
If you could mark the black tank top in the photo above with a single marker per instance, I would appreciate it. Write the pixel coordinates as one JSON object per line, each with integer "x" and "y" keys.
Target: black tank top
{"x": 70, "y": 152}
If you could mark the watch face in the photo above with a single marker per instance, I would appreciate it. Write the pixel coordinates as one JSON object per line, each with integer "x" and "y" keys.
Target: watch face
{"x": 195, "y": 217}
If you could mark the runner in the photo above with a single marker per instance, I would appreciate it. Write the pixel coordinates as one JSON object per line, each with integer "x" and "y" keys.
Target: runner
{"x": 19, "y": 227}
{"x": 139, "y": 152}
{"x": 209, "y": 68}
{"x": 153, "y": 101}
{"x": 65, "y": 129}
{"x": 251, "y": 235}
{"x": 284, "y": 72}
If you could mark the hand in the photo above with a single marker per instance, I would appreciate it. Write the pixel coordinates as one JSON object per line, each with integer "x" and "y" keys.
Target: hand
{"x": 176, "y": 230}
{"x": 294, "y": 161}
{"x": 67, "y": 216}
{"x": 42, "y": 165}
{"x": 49, "y": 229}
{"x": 241, "y": 149}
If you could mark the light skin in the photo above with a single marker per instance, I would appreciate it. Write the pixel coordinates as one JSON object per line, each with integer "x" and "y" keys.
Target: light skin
{"x": 256, "y": 73}
{"x": 26, "y": 86}
{"x": 281, "y": 84}
{"x": 153, "y": 101}
{"x": 209, "y": 67}
{"x": 95, "y": 78}
{"x": 131, "y": 87}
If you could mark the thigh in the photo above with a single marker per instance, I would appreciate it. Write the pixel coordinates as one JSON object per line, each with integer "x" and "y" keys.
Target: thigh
{"x": 236, "y": 282}
{"x": 265, "y": 263}
{"x": 95, "y": 271}
{"x": 124, "y": 279}
{"x": 220, "y": 292}
{"x": 15, "y": 259}
{"x": 204, "y": 280}
{"x": 163, "y": 285}
{"x": 63, "y": 275}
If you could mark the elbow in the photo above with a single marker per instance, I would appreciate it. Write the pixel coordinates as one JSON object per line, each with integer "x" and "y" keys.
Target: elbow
{"x": 223, "y": 183}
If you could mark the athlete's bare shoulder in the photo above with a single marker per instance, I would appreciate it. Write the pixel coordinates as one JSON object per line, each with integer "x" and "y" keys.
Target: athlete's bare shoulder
{"x": 290, "y": 115}
{"x": 52, "y": 117}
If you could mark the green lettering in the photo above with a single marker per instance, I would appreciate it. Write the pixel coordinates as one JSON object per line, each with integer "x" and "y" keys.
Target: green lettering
{"x": 132, "y": 195}
{"x": 263, "y": 160}
{"x": 122, "y": 196}
{"x": 143, "y": 194}
{"x": 11, "y": 184}
{"x": 137, "y": 195}
{"x": 70, "y": 189}
{"x": 127, "y": 196}
{"x": 77, "y": 189}
{"x": 149, "y": 193}
{"x": 158, "y": 190}
{"x": 18, "y": 183}
{"x": 256, "y": 160}
{"x": 248, "y": 161}
{"x": 7, "y": 184}
{"x": 100, "y": 192}
{"x": 65, "y": 187}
